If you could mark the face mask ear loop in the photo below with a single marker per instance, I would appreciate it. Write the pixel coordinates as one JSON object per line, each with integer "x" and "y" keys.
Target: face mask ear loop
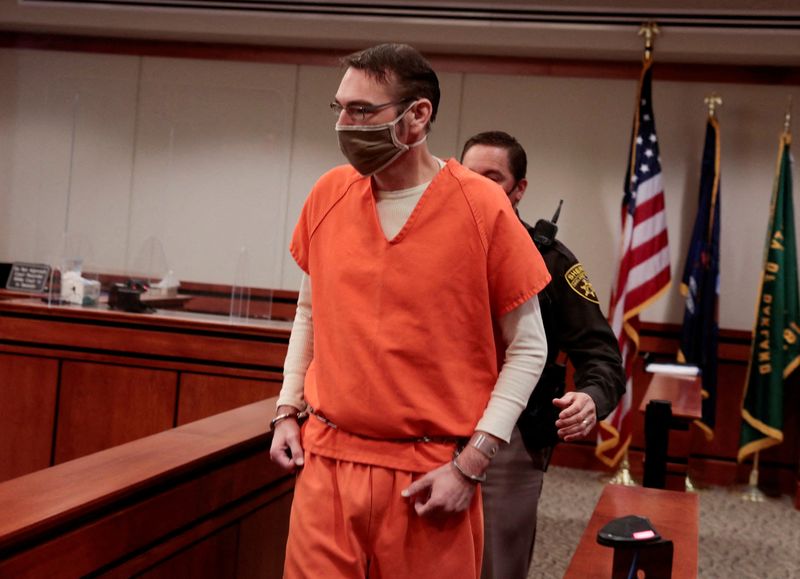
{"x": 393, "y": 125}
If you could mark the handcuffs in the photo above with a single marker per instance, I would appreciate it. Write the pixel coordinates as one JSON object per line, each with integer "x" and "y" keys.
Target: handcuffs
{"x": 483, "y": 444}
{"x": 299, "y": 416}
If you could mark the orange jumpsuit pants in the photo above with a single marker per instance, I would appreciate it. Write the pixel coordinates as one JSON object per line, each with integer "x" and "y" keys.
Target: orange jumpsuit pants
{"x": 349, "y": 521}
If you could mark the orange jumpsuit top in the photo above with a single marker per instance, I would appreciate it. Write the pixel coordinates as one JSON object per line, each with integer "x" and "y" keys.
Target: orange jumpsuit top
{"x": 404, "y": 341}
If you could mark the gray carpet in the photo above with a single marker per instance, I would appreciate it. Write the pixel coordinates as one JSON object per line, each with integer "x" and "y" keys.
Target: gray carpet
{"x": 738, "y": 539}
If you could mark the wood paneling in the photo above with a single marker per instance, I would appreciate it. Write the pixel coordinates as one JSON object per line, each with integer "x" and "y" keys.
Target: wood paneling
{"x": 203, "y": 395}
{"x": 120, "y": 376}
{"x": 730, "y": 387}
{"x": 262, "y": 540}
{"x": 212, "y": 557}
{"x": 27, "y": 411}
{"x": 93, "y": 333}
{"x": 135, "y": 362}
{"x": 102, "y": 406}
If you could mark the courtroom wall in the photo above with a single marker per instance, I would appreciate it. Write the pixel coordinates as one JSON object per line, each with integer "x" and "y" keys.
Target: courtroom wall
{"x": 214, "y": 156}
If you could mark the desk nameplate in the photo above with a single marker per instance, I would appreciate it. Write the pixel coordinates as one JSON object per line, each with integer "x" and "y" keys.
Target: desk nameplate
{"x": 28, "y": 277}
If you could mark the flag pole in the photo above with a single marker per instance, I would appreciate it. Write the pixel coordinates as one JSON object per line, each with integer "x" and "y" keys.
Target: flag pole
{"x": 712, "y": 102}
{"x": 753, "y": 493}
{"x": 648, "y": 30}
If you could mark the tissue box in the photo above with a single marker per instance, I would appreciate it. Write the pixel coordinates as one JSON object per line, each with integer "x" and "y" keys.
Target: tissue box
{"x": 78, "y": 290}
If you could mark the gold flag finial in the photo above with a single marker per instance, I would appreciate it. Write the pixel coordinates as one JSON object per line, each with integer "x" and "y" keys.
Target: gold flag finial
{"x": 649, "y": 31}
{"x": 787, "y": 122}
{"x": 712, "y": 102}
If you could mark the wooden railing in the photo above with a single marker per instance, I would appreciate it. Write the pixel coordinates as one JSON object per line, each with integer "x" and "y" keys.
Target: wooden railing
{"x": 201, "y": 500}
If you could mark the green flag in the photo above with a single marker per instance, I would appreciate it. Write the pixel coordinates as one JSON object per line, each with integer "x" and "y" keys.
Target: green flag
{"x": 775, "y": 353}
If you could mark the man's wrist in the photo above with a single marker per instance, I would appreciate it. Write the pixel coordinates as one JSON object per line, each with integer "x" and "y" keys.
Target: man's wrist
{"x": 285, "y": 412}
{"x": 473, "y": 478}
{"x": 471, "y": 463}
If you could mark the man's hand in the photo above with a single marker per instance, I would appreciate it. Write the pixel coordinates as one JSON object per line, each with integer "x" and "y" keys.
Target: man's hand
{"x": 577, "y": 417}
{"x": 286, "y": 449}
{"x": 443, "y": 491}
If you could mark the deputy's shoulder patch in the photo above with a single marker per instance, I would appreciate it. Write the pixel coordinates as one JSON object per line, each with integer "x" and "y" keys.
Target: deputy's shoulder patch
{"x": 578, "y": 280}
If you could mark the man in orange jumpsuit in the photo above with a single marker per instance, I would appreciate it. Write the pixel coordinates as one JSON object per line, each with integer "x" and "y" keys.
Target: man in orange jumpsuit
{"x": 421, "y": 273}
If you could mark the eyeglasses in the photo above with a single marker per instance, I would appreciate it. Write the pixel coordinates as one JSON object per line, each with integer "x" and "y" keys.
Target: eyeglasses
{"x": 361, "y": 112}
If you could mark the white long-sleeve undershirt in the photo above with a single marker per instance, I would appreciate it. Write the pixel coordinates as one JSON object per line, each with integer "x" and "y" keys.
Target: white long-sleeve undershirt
{"x": 522, "y": 330}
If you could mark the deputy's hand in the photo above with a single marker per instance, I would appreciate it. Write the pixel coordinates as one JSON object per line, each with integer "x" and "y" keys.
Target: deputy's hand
{"x": 443, "y": 491}
{"x": 577, "y": 417}
{"x": 286, "y": 450}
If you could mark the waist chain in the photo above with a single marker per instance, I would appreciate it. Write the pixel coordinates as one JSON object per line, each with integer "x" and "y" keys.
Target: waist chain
{"x": 460, "y": 441}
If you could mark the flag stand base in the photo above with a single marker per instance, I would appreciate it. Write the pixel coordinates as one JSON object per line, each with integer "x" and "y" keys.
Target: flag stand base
{"x": 623, "y": 475}
{"x": 752, "y": 493}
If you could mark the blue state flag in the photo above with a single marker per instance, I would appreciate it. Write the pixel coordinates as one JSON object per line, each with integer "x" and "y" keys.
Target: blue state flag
{"x": 700, "y": 282}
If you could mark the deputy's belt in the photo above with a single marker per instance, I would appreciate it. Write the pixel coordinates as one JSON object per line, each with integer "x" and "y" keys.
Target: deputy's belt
{"x": 460, "y": 441}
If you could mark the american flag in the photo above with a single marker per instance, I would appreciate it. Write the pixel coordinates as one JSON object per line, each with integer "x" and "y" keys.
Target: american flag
{"x": 643, "y": 272}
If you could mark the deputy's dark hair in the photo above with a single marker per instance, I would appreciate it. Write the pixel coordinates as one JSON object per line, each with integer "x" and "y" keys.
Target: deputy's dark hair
{"x": 414, "y": 75}
{"x": 517, "y": 159}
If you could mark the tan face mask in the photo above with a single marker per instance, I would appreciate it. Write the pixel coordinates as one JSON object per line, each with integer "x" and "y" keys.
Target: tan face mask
{"x": 372, "y": 148}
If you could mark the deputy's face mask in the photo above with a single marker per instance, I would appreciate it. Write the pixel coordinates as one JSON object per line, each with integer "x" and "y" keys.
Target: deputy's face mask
{"x": 372, "y": 148}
